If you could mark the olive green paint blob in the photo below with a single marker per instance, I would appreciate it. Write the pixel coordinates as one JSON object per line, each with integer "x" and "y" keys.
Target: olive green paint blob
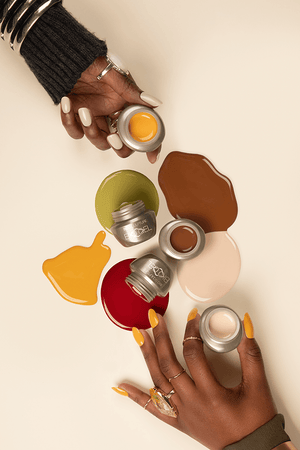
{"x": 120, "y": 187}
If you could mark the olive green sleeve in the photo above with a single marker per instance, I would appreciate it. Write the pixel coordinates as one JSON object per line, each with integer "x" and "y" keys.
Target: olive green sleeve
{"x": 267, "y": 437}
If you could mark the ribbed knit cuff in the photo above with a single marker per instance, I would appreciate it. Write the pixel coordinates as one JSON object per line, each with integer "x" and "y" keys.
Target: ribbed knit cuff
{"x": 58, "y": 49}
{"x": 266, "y": 437}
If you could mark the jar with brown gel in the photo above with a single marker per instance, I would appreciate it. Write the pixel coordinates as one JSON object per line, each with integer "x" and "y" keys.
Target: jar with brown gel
{"x": 182, "y": 239}
{"x": 195, "y": 190}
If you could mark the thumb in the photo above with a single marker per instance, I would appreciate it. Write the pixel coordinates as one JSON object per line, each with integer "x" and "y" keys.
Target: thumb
{"x": 126, "y": 87}
{"x": 251, "y": 357}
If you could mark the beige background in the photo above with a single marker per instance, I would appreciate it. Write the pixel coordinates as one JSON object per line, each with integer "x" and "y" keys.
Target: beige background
{"x": 228, "y": 73}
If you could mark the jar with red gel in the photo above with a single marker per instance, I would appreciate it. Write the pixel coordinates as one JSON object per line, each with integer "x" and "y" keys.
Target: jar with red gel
{"x": 124, "y": 304}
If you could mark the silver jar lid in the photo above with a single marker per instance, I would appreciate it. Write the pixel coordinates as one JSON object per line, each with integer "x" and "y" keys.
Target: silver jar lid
{"x": 196, "y": 232}
{"x": 220, "y": 328}
{"x": 123, "y": 123}
{"x": 128, "y": 210}
{"x": 150, "y": 276}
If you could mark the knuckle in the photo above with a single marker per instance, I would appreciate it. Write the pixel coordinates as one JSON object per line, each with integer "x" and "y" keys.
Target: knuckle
{"x": 190, "y": 352}
{"x": 136, "y": 399}
{"x": 254, "y": 353}
{"x": 158, "y": 380}
{"x": 148, "y": 357}
{"x": 165, "y": 365}
{"x": 92, "y": 133}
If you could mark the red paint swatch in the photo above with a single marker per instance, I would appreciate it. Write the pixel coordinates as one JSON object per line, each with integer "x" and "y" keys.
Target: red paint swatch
{"x": 125, "y": 308}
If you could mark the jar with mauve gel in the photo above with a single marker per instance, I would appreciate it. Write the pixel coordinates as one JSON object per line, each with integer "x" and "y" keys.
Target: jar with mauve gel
{"x": 150, "y": 277}
{"x": 220, "y": 329}
{"x": 134, "y": 223}
{"x": 182, "y": 239}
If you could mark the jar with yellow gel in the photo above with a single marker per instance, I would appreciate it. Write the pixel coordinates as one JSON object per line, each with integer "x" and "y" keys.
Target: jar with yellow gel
{"x": 140, "y": 128}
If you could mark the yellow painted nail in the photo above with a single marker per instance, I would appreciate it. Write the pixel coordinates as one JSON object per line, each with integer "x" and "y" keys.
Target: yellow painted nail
{"x": 120, "y": 391}
{"x": 153, "y": 319}
{"x": 138, "y": 336}
{"x": 192, "y": 314}
{"x": 248, "y": 325}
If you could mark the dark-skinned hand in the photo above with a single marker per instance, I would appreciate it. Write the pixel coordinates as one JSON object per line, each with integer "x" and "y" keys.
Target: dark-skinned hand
{"x": 84, "y": 111}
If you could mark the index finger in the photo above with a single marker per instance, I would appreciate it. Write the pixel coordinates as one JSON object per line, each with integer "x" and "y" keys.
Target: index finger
{"x": 168, "y": 362}
{"x": 195, "y": 357}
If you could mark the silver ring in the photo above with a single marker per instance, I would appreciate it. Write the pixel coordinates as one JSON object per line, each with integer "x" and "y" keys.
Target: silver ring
{"x": 147, "y": 403}
{"x": 191, "y": 338}
{"x": 104, "y": 71}
{"x": 111, "y": 65}
{"x": 176, "y": 376}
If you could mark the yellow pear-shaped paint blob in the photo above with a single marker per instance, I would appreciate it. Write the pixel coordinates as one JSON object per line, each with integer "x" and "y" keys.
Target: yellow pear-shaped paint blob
{"x": 75, "y": 273}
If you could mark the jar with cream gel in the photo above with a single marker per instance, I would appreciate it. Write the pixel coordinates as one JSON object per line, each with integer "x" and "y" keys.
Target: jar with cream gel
{"x": 134, "y": 223}
{"x": 140, "y": 128}
{"x": 220, "y": 329}
{"x": 150, "y": 276}
{"x": 182, "y": 239}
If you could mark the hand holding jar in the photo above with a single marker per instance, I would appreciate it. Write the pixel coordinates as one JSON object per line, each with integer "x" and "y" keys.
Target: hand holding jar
{"x": 198, "y": 404}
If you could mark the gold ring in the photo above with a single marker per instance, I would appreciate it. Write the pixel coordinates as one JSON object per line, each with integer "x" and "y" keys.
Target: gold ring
{"x": 190, "y": 338}
{"x": 176, "y": 376}
{"x": 163, "y": 402}
{"x": 147, "y": 403}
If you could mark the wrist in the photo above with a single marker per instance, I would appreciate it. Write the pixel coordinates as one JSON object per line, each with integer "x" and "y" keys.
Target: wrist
{"x": 267, "y": 437}
{"x": 285, "y": 446}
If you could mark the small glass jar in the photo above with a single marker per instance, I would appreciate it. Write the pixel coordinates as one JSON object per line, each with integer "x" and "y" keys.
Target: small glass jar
{"x": 134, "y": 223}
{"x": 150, "y": 276}
{"x": 140, "y": 128}
{"x": 220, "y": 329}
{"x": 182, "y": 239}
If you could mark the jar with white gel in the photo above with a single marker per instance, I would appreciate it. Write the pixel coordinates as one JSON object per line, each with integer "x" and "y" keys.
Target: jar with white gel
{"x": 150, "y": 276}
{"x": 134, "y": 223}
{"x": 220, "y": 329}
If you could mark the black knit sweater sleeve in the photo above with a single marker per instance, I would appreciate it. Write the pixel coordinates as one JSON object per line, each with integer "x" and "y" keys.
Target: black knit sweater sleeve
{"x": 58, "y": 49}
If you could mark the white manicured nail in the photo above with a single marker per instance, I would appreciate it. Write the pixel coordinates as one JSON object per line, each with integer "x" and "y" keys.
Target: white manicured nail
{"x": 153, "y": 101}
{"x": 85, "y": 117}
{"x": 65, "y": 105}
{"x": 114, "y": 141}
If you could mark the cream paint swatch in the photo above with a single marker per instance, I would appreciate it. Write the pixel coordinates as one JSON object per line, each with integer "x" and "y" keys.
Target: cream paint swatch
{"x": 212, "y": 274}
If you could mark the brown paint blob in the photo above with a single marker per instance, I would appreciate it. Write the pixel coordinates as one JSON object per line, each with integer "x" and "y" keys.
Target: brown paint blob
{"x": 196, "y": 190}
{"x": 183, "y": 239}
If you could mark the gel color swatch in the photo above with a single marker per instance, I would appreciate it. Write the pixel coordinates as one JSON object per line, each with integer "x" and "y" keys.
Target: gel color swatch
{"x": 124, "y": 186}
{"x": 196, "y": 190}
{"x": 212, "y": 274}
{"x": 75, "y": 273}
{"x": 123, "y": 306}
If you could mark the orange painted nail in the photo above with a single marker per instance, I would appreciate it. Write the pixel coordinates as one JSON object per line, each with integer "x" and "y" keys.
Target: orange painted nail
{"x": 153, "y": 319}
{"x": 192, "y": 314}
{"x": 120, "y": 391}
{"x": 139, "y": 338}
{"x": 248, "y": 325}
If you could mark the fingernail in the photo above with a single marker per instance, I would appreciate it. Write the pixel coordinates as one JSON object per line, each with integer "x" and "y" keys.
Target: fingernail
{"x": 139, "y": 338}
{"x": 120, "y": 391}
{"x": 114, "y": 141}
{"x": 192, "y": 314}
{"x": 156, "y": 159}
{"x": 85, "y": 117}
{"x": 153, "y": 319}
{"x": 65, "y": 105}
{"x": 153, "y": 101}
{"x": 248, "y": 326}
